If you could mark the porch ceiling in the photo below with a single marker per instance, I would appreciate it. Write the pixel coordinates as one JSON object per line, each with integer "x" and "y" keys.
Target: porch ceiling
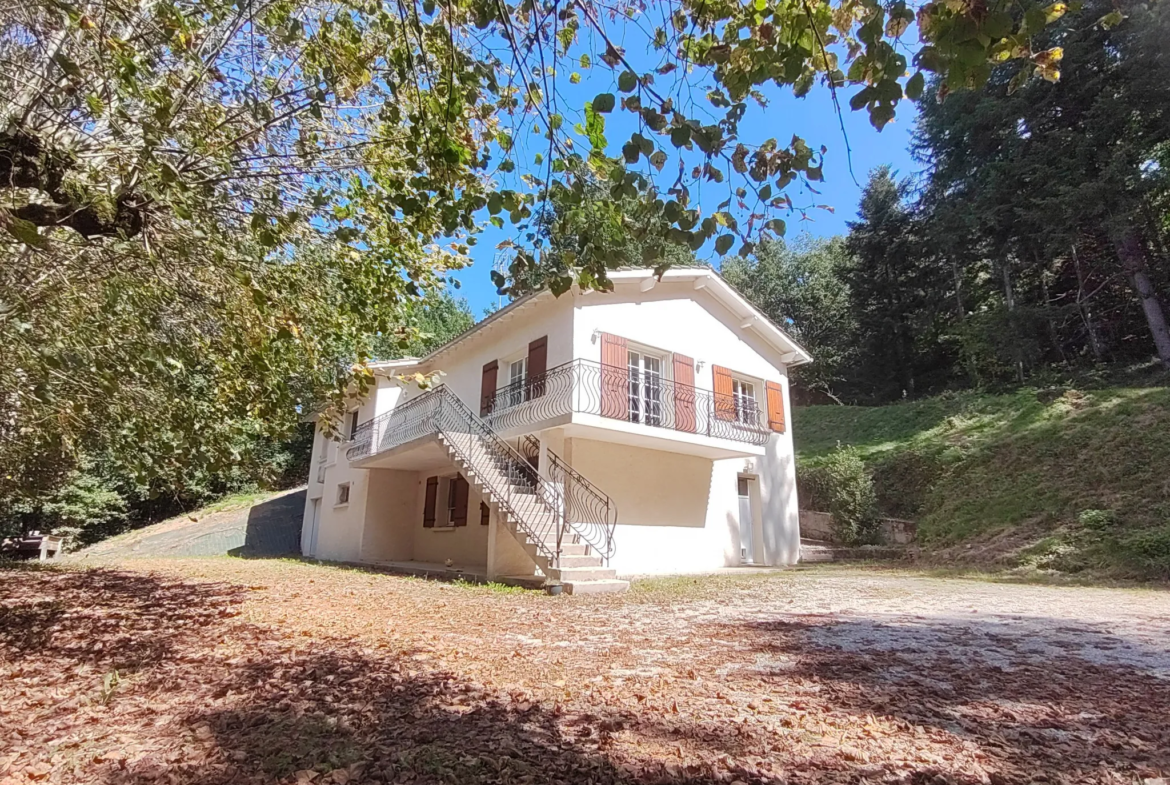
{"x": 604, "y": 429}
{"x": 419, "y": 455}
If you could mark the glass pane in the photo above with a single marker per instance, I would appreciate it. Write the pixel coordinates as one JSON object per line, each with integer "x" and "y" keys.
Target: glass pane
{"x": 743, "y": 486}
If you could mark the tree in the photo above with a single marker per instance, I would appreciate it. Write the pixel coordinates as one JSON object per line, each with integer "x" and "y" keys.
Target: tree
{"x": 893, "y": 290}
{"x": 430, "y": 324}
{"x": 1054, "y": 184}
{"x": 211, "y": 207}
{"x": 801, "y": 287}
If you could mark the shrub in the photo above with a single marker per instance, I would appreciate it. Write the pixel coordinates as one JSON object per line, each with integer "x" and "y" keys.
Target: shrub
{"x": 842, "y": 485}
{"x": 85, "y": 509}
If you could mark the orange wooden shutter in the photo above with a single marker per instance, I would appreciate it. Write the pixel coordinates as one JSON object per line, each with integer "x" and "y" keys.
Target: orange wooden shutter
{"x": 487, "y": 387}
{"x": 724, "y": 397}
{"x": 485, "y": 514}
{"x": 615, "y": 377}
{"x": 431, "y": 500}
{"x": 684, "y": 393}
{"x": 775, "y": 407}
{"x": 537, "y": 365}
{"x": 460, "y": 515}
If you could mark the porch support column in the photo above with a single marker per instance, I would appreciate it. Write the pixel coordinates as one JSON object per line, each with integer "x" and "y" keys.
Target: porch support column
{"x": 493, "y": 530}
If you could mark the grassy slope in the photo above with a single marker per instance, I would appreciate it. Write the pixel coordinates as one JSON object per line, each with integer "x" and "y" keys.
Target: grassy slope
{"x": 1008, "y": 478}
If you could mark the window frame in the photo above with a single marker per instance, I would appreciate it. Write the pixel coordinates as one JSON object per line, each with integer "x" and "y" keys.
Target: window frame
{"x": 664, "y": 376}
{"x": 445, "y": 515}
{"x": 343, "y": 489}
{"x": 738, "y": 397}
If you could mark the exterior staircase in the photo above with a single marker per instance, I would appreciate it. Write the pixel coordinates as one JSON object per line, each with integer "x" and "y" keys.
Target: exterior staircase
{"x": 562, "y": 521}
{"x": 521, "y": 501}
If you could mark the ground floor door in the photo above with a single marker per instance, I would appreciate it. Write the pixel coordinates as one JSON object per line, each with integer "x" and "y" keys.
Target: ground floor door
{"x": 314, "y": 525}
{"x": 745, "y": 520}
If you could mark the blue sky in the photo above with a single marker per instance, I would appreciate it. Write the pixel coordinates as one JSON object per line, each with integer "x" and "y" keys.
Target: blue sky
{"x": 812, "y": 118}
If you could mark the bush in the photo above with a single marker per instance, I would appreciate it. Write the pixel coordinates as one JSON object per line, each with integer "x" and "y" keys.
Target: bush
{"x": 842, "y": 485}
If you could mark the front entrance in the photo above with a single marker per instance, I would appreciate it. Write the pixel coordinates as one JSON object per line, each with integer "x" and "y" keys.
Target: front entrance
{"x": 746, "y": 555}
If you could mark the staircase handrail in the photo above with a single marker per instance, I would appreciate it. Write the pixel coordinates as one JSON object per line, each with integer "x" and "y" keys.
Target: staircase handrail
{"x": 589, "y": 512}
{"x": 441, "y": 411}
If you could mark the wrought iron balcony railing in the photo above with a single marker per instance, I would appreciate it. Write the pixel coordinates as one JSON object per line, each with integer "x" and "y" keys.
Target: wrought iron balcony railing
{"x": 587, "y": 387}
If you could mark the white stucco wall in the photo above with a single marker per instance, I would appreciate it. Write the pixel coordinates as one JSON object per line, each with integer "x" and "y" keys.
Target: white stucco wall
{"x": 661, "y": 497}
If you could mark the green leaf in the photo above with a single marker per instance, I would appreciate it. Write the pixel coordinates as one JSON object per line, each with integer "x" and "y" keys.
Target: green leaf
{"x": 68, "y": 66}
{"x": 776, "y": 226}
{"x": 628, "y": 81}
{"x": 1111, "y": 20}
{"x": 915, "y": 86}
{"x": 724, "y": 243}
{"x": 604, "y": 103}
{"x": 658, "y": 160}
{"x": 861, "y": 98}
{"x": 26, "y": 232}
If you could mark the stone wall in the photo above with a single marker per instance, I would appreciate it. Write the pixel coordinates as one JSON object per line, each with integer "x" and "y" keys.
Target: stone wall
{"x": 819, "y": 526}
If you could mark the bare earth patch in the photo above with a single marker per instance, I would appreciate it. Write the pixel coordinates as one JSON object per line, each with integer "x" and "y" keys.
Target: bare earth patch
{"x": 234, "y": 671}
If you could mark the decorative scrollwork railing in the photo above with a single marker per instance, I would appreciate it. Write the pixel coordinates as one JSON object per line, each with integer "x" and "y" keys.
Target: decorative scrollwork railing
{"x": 611, "y": 391}
{"x": 535, "y": 503}
{"x": 590, "y": 513}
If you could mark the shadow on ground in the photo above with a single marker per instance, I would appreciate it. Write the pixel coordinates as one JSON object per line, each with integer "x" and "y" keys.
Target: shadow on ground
{"x": 1072, "y": 701}
{"x": 274, "y": 527}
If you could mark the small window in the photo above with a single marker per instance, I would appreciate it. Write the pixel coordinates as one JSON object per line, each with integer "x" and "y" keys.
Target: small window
{"x": 342, "y": 493}
{"x": 452, "y": 501}
{"x": 746, "y": 409}
{"x": 742, "y": 486}
{"x": 353, "y": 424}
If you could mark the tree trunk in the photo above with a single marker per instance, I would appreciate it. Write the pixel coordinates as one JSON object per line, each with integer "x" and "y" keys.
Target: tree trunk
{"x": 1009, "y": 296}
{"x": 1132, "y": 253}
{"x": 1085, "y": 311}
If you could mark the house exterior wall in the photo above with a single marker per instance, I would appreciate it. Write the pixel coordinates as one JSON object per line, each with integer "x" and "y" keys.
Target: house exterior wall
{"x": 678, "y": 513}
{"x": 462, "y": 365}
{"x": 392, "y": 513}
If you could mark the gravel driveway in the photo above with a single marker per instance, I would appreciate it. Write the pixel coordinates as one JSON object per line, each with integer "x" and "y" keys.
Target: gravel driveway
{"x": 217, "y": 671}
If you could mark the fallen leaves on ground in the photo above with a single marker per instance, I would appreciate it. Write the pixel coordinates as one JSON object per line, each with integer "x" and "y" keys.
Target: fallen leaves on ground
{"x": 232, "y": 671}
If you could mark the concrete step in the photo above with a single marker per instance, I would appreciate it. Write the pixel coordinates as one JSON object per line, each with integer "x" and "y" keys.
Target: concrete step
{"x": 578, "y": 561}
{"x": 609, "y": 586}
{"x": 569, "y": 574}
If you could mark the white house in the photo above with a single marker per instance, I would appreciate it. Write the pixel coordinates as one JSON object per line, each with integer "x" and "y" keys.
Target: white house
{"x": 575, "y": 438}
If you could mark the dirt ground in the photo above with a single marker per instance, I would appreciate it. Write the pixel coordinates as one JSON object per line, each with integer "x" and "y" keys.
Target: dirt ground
{"x": 239, "y": 671}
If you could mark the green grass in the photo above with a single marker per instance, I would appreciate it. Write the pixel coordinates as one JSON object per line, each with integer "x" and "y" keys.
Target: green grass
{"x": 1066, "y": 481}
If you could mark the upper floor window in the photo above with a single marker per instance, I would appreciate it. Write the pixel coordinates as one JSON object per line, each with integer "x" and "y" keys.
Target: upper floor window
{"x": 353, "y": 424}
{"x": 517, "y": 389}
{"x": 746, "y": 408}
{"x": 342, "y": 493}
{"x": 645, "y": 388}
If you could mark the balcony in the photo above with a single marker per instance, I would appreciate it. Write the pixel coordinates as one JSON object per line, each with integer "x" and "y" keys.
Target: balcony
{"x": 616, "y": 400}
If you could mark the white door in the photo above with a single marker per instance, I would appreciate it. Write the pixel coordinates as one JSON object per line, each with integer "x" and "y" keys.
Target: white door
{"x": 645, "y": 389}
{"x": 314, "y": 523}
{"x": 745, "y": 521}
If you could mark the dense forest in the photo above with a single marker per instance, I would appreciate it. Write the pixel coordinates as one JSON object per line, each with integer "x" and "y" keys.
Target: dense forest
{"x": 1031, "y": 248}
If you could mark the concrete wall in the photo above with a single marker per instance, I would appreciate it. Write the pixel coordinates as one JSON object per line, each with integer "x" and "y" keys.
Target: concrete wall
{"x": 392, "y": 512}
{"x": 464, "y": 545}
